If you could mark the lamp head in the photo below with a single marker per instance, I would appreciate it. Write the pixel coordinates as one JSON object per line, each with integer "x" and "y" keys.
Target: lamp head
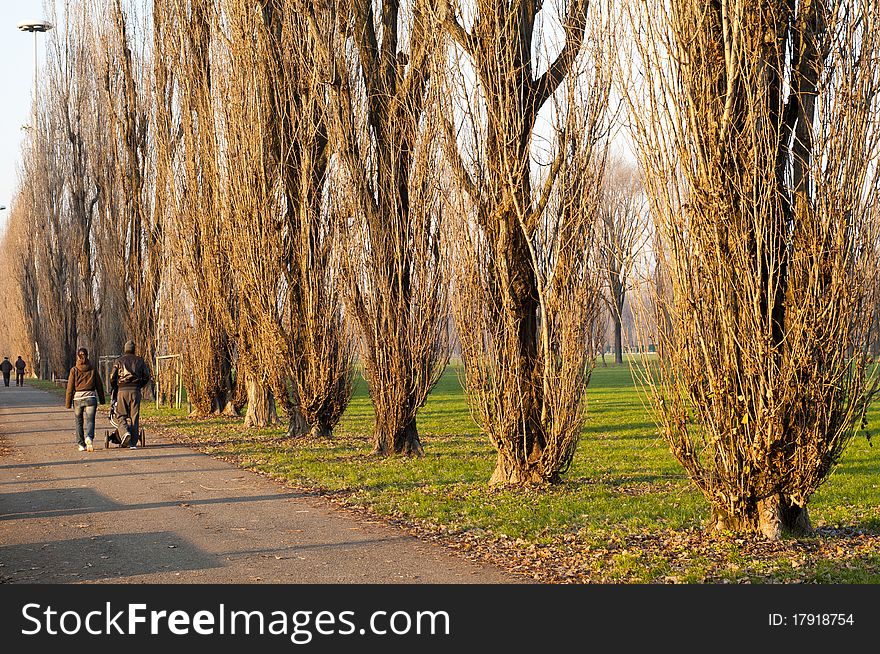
{"x": 35, "y": 26}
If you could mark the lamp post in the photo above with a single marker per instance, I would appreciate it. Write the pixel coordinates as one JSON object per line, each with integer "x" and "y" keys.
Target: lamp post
{"x": 35, "y": 26}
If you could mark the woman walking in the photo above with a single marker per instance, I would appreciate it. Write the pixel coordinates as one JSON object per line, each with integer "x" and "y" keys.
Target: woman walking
{"x": 84, "y": 391}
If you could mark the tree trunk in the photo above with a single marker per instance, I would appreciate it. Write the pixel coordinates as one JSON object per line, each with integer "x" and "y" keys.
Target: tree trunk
{"x": 230, "y": 410}
{"x": 506, "y": 472}
{"x": 297, "y": 426}
{"x": 777, "y": 517}
{"x": 261, "y": 411}
{"x": 774, "y": 518}
{"x": 222, "y": 404}
{"x": 618, "y": 337}
{"x": 320, "y": 431}
{"x": 404, "y": 440}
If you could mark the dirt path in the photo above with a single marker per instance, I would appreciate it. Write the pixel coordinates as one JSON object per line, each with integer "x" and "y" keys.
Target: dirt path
{"x": 168, "y": 514}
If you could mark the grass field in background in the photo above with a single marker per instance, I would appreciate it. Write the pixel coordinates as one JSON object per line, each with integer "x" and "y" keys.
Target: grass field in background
{"x": 624, "y": 489}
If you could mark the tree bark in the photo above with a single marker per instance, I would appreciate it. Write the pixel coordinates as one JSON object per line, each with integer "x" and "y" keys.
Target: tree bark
{"x": 404, "y": 440}
{"x": 320, "y": 432}
{"x": 298, "y": 425}
{"x": 506, "y": 472}
{"x": 774, "y": 518}
{"x": 618, "y": 337}
{"x": 222, "y": 404}
{"x": 261, "y": 411}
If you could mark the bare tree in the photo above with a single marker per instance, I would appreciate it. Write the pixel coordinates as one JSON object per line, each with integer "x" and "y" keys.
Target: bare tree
{"x": 69, "y": 190}
{"x": 757, "y": 134}
{"x": 621, "y": 239}
{"x": 131, "y": 231}
{"x": 77, "y": 105}
{"x": 255, "y": 234}
{"x": 18, "y": 288}
{"x": 57, "y": 279}
{"x": 320, "y": 341}
{"x": 191, "y": 183}
{"x": 526, "y": 293}
{"x": 381, "y": 60}
{"x": 296, "y": 269}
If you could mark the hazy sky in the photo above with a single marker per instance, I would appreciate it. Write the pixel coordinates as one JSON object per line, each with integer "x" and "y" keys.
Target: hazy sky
{"x": 16, "y": 86}
{"x": 17, "y": 79}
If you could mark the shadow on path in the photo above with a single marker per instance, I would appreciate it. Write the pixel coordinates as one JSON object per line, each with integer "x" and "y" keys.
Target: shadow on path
{"x": 101, "y": 558}
{"x": 55, "y": 502}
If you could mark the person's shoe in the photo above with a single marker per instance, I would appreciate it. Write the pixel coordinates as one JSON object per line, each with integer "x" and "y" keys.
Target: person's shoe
{"x": 132, "y": 447}
{"x": 82, "y": 448}
{"x": 89, "y": 446}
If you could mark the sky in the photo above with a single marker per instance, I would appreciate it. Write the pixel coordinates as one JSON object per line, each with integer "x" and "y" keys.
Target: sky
{"x": 17, "y": 79}
{"x": 17, "y": 84}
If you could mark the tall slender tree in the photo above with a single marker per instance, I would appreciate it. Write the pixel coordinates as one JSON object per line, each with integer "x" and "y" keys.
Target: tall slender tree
{"x": 381, "y": 60}
{"x": 189, "y": 176}
{"x": 622, "y": 237}
{"x": 527, "y": 293}
{"x": 132, "y": 232}
{"x": 758, "y": 139}
{"x": 319, "y": 340}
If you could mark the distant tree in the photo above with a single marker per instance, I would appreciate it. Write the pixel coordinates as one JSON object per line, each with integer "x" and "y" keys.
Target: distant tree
{"x": 622, "y": 235}
{"x": 18, "y": 291}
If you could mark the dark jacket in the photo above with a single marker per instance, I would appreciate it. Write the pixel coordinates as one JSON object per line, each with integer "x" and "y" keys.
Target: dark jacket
{"x": 129, "y": 371}
{"x": 6, "y": 367}
{"x": 83, "y": 377}
{"x": 20, "y": 365}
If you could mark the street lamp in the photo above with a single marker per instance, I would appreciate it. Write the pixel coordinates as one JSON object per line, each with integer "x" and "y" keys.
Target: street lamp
{"x": 35, "y": 26}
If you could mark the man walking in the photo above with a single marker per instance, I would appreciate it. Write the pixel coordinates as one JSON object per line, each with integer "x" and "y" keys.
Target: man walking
{"x": 129, "y": 375}
{"x": 20, "y": 365}
{"x": 6, "y": 369}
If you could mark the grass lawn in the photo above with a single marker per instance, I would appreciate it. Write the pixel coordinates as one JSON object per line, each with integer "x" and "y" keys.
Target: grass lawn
{"x": 625, "y": 511}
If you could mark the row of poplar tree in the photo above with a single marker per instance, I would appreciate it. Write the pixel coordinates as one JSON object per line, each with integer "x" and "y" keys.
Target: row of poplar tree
{"x": 276, "y": 188}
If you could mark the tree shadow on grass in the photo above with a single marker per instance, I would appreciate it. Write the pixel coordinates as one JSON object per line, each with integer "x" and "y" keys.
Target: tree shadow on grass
{"x": 629, "y": 431}
{"x": 617, "y": 480}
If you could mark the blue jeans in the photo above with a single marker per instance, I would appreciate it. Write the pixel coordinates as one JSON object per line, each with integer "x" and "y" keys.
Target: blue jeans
{"x": 84, "y": 412}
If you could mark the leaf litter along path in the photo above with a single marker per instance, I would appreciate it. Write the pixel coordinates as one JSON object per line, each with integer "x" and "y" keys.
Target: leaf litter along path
{"x": 168, "y": 514}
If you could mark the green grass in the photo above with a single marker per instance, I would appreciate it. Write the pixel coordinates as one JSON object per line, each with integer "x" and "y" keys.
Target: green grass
{"x": 623, "y": 485}
{"x": 624, "y": 511}
{"x": 46, "y": 385}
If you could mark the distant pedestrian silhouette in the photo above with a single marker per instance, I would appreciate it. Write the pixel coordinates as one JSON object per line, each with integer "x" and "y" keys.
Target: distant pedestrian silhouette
{"x": 6, "y": 368}
{"x": 20, "y": 365}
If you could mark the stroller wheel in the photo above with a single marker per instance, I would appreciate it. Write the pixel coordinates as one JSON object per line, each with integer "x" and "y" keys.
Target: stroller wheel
{"x": 106, "y": 440}
{"x": 143, "y": 442}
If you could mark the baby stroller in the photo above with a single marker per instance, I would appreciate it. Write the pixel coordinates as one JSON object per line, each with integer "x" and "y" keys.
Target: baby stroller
{"x": 121, "y": 427}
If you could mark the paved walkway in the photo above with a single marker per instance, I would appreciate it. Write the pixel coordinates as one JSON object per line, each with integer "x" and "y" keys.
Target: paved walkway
{"x": 168, "y": 514}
